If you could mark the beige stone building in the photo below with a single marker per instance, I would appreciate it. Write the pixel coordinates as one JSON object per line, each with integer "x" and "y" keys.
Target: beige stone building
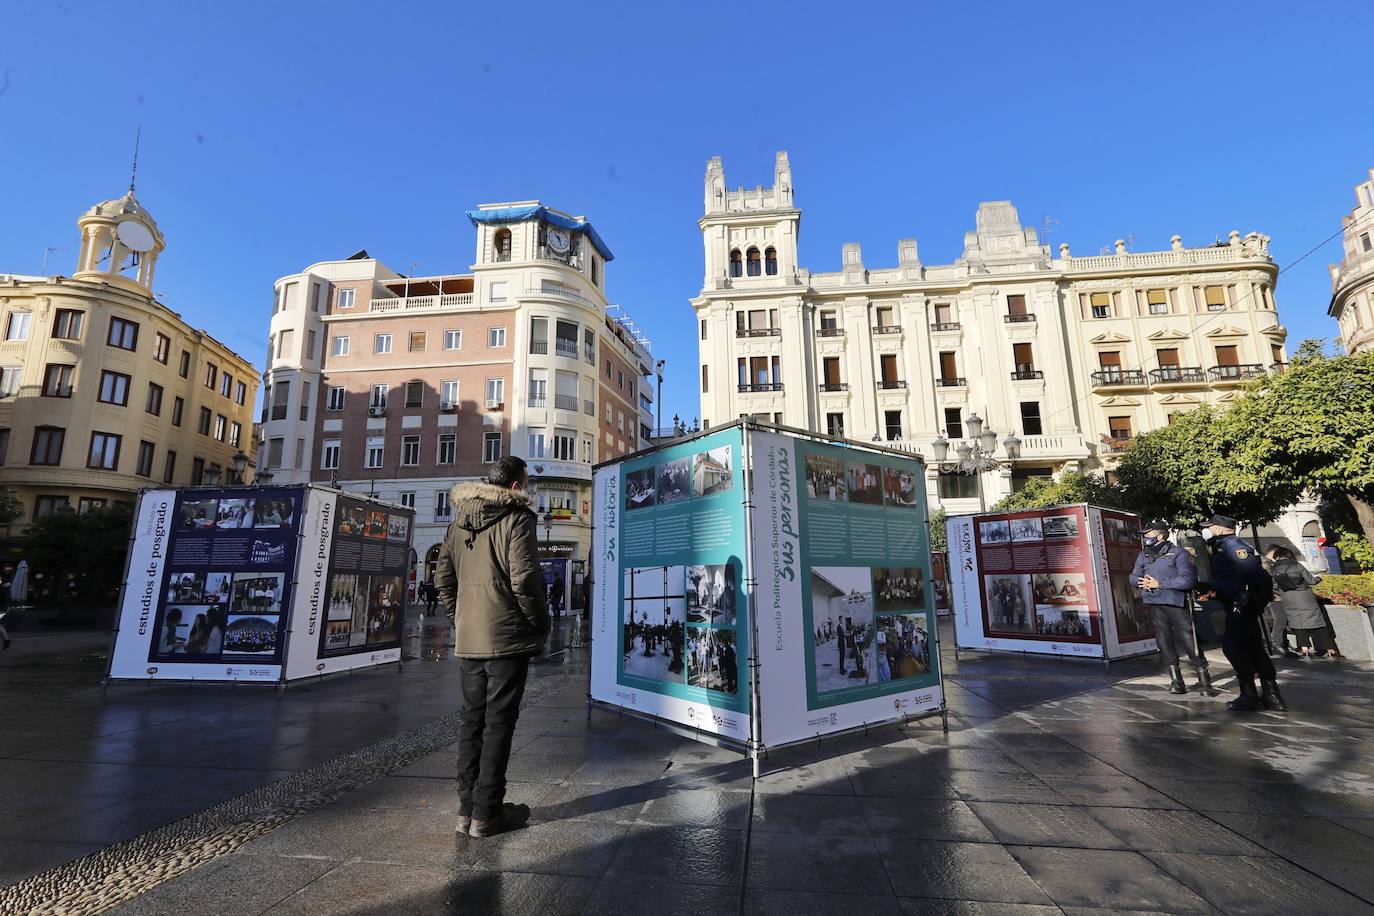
{"x": 103, "y": 389}
{"x": 1352, "y": 280}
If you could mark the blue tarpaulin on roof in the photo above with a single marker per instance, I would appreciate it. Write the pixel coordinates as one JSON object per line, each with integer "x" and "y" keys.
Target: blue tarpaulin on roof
{"x": 520, "y": 214}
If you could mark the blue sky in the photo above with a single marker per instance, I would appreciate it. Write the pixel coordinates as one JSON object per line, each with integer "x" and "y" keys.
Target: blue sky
{"x": 276, "y": 135}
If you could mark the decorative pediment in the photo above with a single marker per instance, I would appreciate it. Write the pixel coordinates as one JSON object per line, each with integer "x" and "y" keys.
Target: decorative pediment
{"x": 1181, "y": 400}
{"x": 1228, "y": 330}
{"x": 1168, "y": 334}
{"x": 1276, "y": 331}
{"x": 1111, "y": 337}
{"x": 1229, "y": 397}
{"x": 1119, "y": 401}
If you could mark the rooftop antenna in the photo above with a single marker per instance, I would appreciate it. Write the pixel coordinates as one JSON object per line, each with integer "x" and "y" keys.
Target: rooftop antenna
{"x": 133, "y": 172}
{"x": 47, "y": 251}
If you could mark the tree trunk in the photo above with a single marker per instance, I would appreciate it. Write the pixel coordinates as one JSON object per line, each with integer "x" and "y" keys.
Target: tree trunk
{"x": 1365, "y": 513}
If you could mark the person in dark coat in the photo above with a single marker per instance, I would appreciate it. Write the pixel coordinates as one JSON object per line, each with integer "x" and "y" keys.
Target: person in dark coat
{"x": 1243, "y": 588}
{"x": 1164, "y": 575}
{"x": 1299, "y": 603}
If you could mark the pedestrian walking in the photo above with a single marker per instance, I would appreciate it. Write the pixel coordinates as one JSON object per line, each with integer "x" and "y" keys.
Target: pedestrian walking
{"x": 493, "y": 590}
{"x": 1243, "y": 588}
{"x": 431, "y": 597}
{"x": 556, "y": 594}
{"x": 6, "y": 581}
{"x": 1164, "y": 575}
{"x": 1298, "y": 604}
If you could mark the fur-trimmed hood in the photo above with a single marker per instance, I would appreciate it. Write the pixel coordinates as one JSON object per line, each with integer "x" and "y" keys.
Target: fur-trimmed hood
{"x": 487, "y": 492}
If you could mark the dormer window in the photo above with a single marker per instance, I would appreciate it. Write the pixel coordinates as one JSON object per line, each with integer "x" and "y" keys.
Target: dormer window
{"x": 501, "y": 243}
{"x": 736, "y": 264}
{"x": 770, "y": 262}
{"x": 754, "y": 264}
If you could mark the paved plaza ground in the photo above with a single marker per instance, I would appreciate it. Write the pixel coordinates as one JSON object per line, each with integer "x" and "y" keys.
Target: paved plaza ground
{"x": 1061, "y": 787}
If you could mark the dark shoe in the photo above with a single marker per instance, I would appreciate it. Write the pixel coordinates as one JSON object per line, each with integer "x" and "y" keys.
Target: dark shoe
{"x": 1289, "y": 653}
{"x": 1272, "y": 699}
{"x": 1204, "y": 682}
{"x": 510, "y": 817}
{"x": 1249, "y": 699}
{"x": 1176, "y": 684}
{"x": 464, "y": 825}
{"x": 7, "y": 644}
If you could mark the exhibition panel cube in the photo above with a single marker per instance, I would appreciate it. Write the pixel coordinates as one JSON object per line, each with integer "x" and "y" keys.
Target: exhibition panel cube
{"x": 1050, "y": 581}
{"x": 763, "y": 586}
{"x": 264, "y": 584}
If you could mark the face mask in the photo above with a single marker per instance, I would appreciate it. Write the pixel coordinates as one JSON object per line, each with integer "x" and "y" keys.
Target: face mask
{"x": 1207, "y": 534}
{"x": 1151, "y": 541}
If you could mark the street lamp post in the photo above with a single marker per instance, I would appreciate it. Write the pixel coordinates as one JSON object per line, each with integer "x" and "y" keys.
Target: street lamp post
{"x": 240, "y": 461}
{"x": 975, "y": 454}
{"x": 658, "y": 369}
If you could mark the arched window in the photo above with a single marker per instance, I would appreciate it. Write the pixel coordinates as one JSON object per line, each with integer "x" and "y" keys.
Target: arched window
{"x": 770, "y": 262}
{"x": 752, "y": 256}
{"x": 736, "y": 265}
{"x": 431, "y": 561}
{"x": 502, "y": 244}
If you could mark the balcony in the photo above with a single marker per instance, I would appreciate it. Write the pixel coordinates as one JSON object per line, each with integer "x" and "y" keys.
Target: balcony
{"x": 419, "y": 303}
{"x": 589, "y": 408}
{"x": 1178, "y": 375}
{"x": 830, "y": 332}
{"x": 953, "y": 381}
{"x": 891, "y": 384}
{"x": 1115, "y": 445}
{"x": 945, "y": 326}
{"x": 834, "y": 386}
{"x": 1276, "y": 368}
{"x": 589, "y": 353}
{"x": 538, "y": 400}
{"x": 565, "y": 401}
{"x": 887, "y": 329}
{"x": 565, "y": 347}
{"x": 1017, "y": 319}
{"x": 760, "y": 386}
{"x": 758, "y": 332}
{"x": 539, "y": 346}
{"x": 1237, "y": 373}
{"x": 278, "y": 411}
{"x": 1121, "y": 378}
{"x": 1027, "y": 375}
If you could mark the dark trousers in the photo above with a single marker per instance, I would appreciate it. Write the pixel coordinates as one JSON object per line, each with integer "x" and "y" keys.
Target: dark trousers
{"x": 1243, "y": 645}
{"x": 486, "y": 724}
{"x": 1174, "y": 634}
{"x": 1278, "y": 624}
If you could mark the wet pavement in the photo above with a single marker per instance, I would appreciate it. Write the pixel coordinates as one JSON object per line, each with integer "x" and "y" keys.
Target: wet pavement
{"x": 1061, "y": 787}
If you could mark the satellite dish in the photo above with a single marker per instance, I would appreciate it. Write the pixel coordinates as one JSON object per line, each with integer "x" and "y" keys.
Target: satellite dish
{"x": 135, "y": 236}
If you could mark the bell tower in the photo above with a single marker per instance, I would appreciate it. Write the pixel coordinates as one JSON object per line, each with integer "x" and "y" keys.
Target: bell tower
{"x": 750, "y": 234}
{"x": 120, "y": 244}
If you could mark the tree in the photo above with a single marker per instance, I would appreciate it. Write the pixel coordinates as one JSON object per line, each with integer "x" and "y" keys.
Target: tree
{"x": 81, "y": 554}
{"x": 1314, "y": 425}
{"x": 1069, "y": 488}
{"x": 11, "y": 509}
{"x": 1185, "y": 472}
{"x": 939, "y": 534}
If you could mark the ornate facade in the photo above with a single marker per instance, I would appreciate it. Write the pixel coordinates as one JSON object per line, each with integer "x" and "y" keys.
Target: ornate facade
{"x": 1352, "y": 281}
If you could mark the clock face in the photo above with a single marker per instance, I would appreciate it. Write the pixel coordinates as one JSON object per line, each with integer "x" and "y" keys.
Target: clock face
{"x": 558, "y": 240}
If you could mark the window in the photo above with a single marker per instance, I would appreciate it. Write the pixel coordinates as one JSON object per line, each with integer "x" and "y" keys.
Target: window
{"x": 47, "y": 505}
{"x": 957, "y": 486}
{"x": 770, "y": 262}
{"x": 1023, "y": 357}
{"x": 104, "y": 451}
{"x": 498, "y": 292}
{"x": 240, "y": 393}
{"x": 410, "y": 451}
{"x": 752, "y": 262}
{"x": 448, "y": 392}
{"x": 162, "y": 348}
{"x": 329, "y": 455}
{"x": 608, "y": 368}
{"x": 154, "y": 404}
{"x": 381, "y": 343}
{"x": 178, "y": 405}
{"x": 1228, "y": 355}
{"x": 414, "y": 393}
{"x": 281, "y": 397}
{"x": 198, "y": 465}
{"x": 1119, "y": 427}
{"x": 221, "y": 426}
{"x": 1215, "y": 297}
{"x": 587, "y": 450}
{"x": 286, "y": 344}
{"x": 4, "y": 444}
{"x": 496, "y": 391}
{"x": 288, "y": 293}
{"x": 235, "y": 434}
{"x": 954, "y": 423}
{"x": 1157, "y": 301}
{"x": 184, "y": 369}
{"x": 564, "y": 445}
{"x": 339, "y": 346}
{"x": 226, "y": 384}
{"x": 47, "y": 445}
{"x": 892, "y": 424}
{"x": 376, "y": 450}
{"x": 9, "y": 380}
{"x": 736, "y": 264}
{"x": 496, "y": 337}
{"x": 830, "y": 372}
{"x": 334, "y": 398}
{"x": 1365, "y": 242}
{"x": 316, "y": 296}
{"x": 309, "y": 344}
{"x": 829, "y": 321}
{"x": 169, "y": 466}
{"x": 703, "y": 329}
{"x": 501, "y": 244}
{"x": 453, "y": 339}
{"x": 114, "y": 388}
{"x": 378, "y": 397}
{"x": 1101, "y": 304}
{"x": 887, "y": 363}
{"x": 203, "y": 422}
{"x": 123, "y": 334}
{"x": 347, "y": 297}
{"x": 442, "y": 509}
{"x": 834, "y": 425}
{"x": 17, "y": 325}
{"x": 944, "y": 314}
{"x": 144, "y": 468}
{"x": 949, "y": 367}
{"x": 1167, "y": 357}
{"x": 448, "y": 448}
{"x": 305, "y": 401}
{"x": 705, "y": 379}
{"x": 619, "y": 379}
{"x": 491, "y": 447}
{"x": 212, "y": 372}
{"x": 57, "y": 381}
{"x": 66, "y": 324}
{"x": 1016, "y": 306}
{"x": 416, "y": 342}
{"x": 1109, "y": 360}
{"x": 1030, "y": 418}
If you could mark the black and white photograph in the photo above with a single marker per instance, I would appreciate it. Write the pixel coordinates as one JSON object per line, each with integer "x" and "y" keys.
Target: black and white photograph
{"x": 712, "y": 471}
{"x": 994, "y": 532}
{"x": 273, "y": 512}
{"x": 639, "y": 489}
{"x": 899, "y": 588}
{"x": 1060, "y": 588}
{"x": 185, "y": 587}
{"x": 176, "y": 629}
{"x": 825, "y": 479}
{"x": 900, "y": 488}
{"x": 1066, "y": 621}
{"x": 674, "y": 482}
{"x": 217, "y": 587}
{"x": 235, "y": 513}
{"x": 711, "y": 660}
{"x": 199, "y": 514}
{"x": 397, "y": 527}
{"x": 1027, "y": 528}
{"x": 344, "y": 595}
{"x": 206, "y": 635}
{"x": 865, "y": 483}
{"x": 1061, "y": 526}
{"x": 842, "y": 622}
{"x": 1010, "y": 608}
{"x": 257, "y": 593}
{"x": 655, "y": 609}
{"x": 903, "y": 647}
{"x": 385, "y": 610}
{"x": 711, "y": 594}
{"x": 250, "y": 635}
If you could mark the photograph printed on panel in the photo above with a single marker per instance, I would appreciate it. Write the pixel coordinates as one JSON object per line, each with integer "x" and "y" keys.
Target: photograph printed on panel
{"x": 217, "y": 587}
{"x": 711, "y": 594}
{"x": 674, "y": 482}
{"x": 865, "y": 483}
{"x": 655, "y": 612}
{"x": 273, "y": 512}
{"x": 250, "y": 635}
{"x": 1027, "y": 529}
{"x": 899, "y": 588}
{"x": 352, "y": 521}
{"x": 1065, "y": 621}
{"x": 712, "y": 471}
{"x": 185, "y": 587}
{"x": 1133, "y": 619}
{"x": 711, "y": 660}
{"x": 903, "y": 646}
{"x": 384, "y": 609}
{"x": 1009, "y": 605}
{"x": 257, "y": 593}
{"x": 900, "y": 488}
{"x": 1061, "y": 526}
{"x": 198, "y": 515}
{"x": 344, "y": 595}
{"x": 825, "y": 479}
{"x": 842, "y": 620}
{"x": 206, "y": 635}
{"x": 1060, "y": 588}
{"x": 235, "y": 513}
{"x": 639, "y": 489}
{"x": 994, "y": 532}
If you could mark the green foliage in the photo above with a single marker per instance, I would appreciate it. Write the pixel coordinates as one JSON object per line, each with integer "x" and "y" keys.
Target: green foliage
{"x": 939, "y": 535}
{"x": 79, "y": 558}
{"x": 11, "y": 509}
{"x": 1354, "y": 548}
{"x": 1069, "y": 488}
{"x": 1351, "y": 590}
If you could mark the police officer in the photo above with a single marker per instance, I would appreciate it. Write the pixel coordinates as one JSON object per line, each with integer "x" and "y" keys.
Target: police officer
{"x": 1243, "y": 588}
{"x": 1164, "y": 574}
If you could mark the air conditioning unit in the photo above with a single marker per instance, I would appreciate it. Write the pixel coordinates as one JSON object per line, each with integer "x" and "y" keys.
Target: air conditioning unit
{"x": 447, "y": 406}
{"x": 377, "y": 410}
{"x": 494, "y": 404}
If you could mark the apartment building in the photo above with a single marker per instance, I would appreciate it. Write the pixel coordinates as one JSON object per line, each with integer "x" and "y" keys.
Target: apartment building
{"x": 400, "y": 386}
{"x": 1069, "y": 357}
{"x": 1352, "y": 280}
{"x": 103, "y": 389}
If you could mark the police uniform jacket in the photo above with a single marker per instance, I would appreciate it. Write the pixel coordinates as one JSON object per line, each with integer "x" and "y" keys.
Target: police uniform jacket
{"x": 1238, "y": 576}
